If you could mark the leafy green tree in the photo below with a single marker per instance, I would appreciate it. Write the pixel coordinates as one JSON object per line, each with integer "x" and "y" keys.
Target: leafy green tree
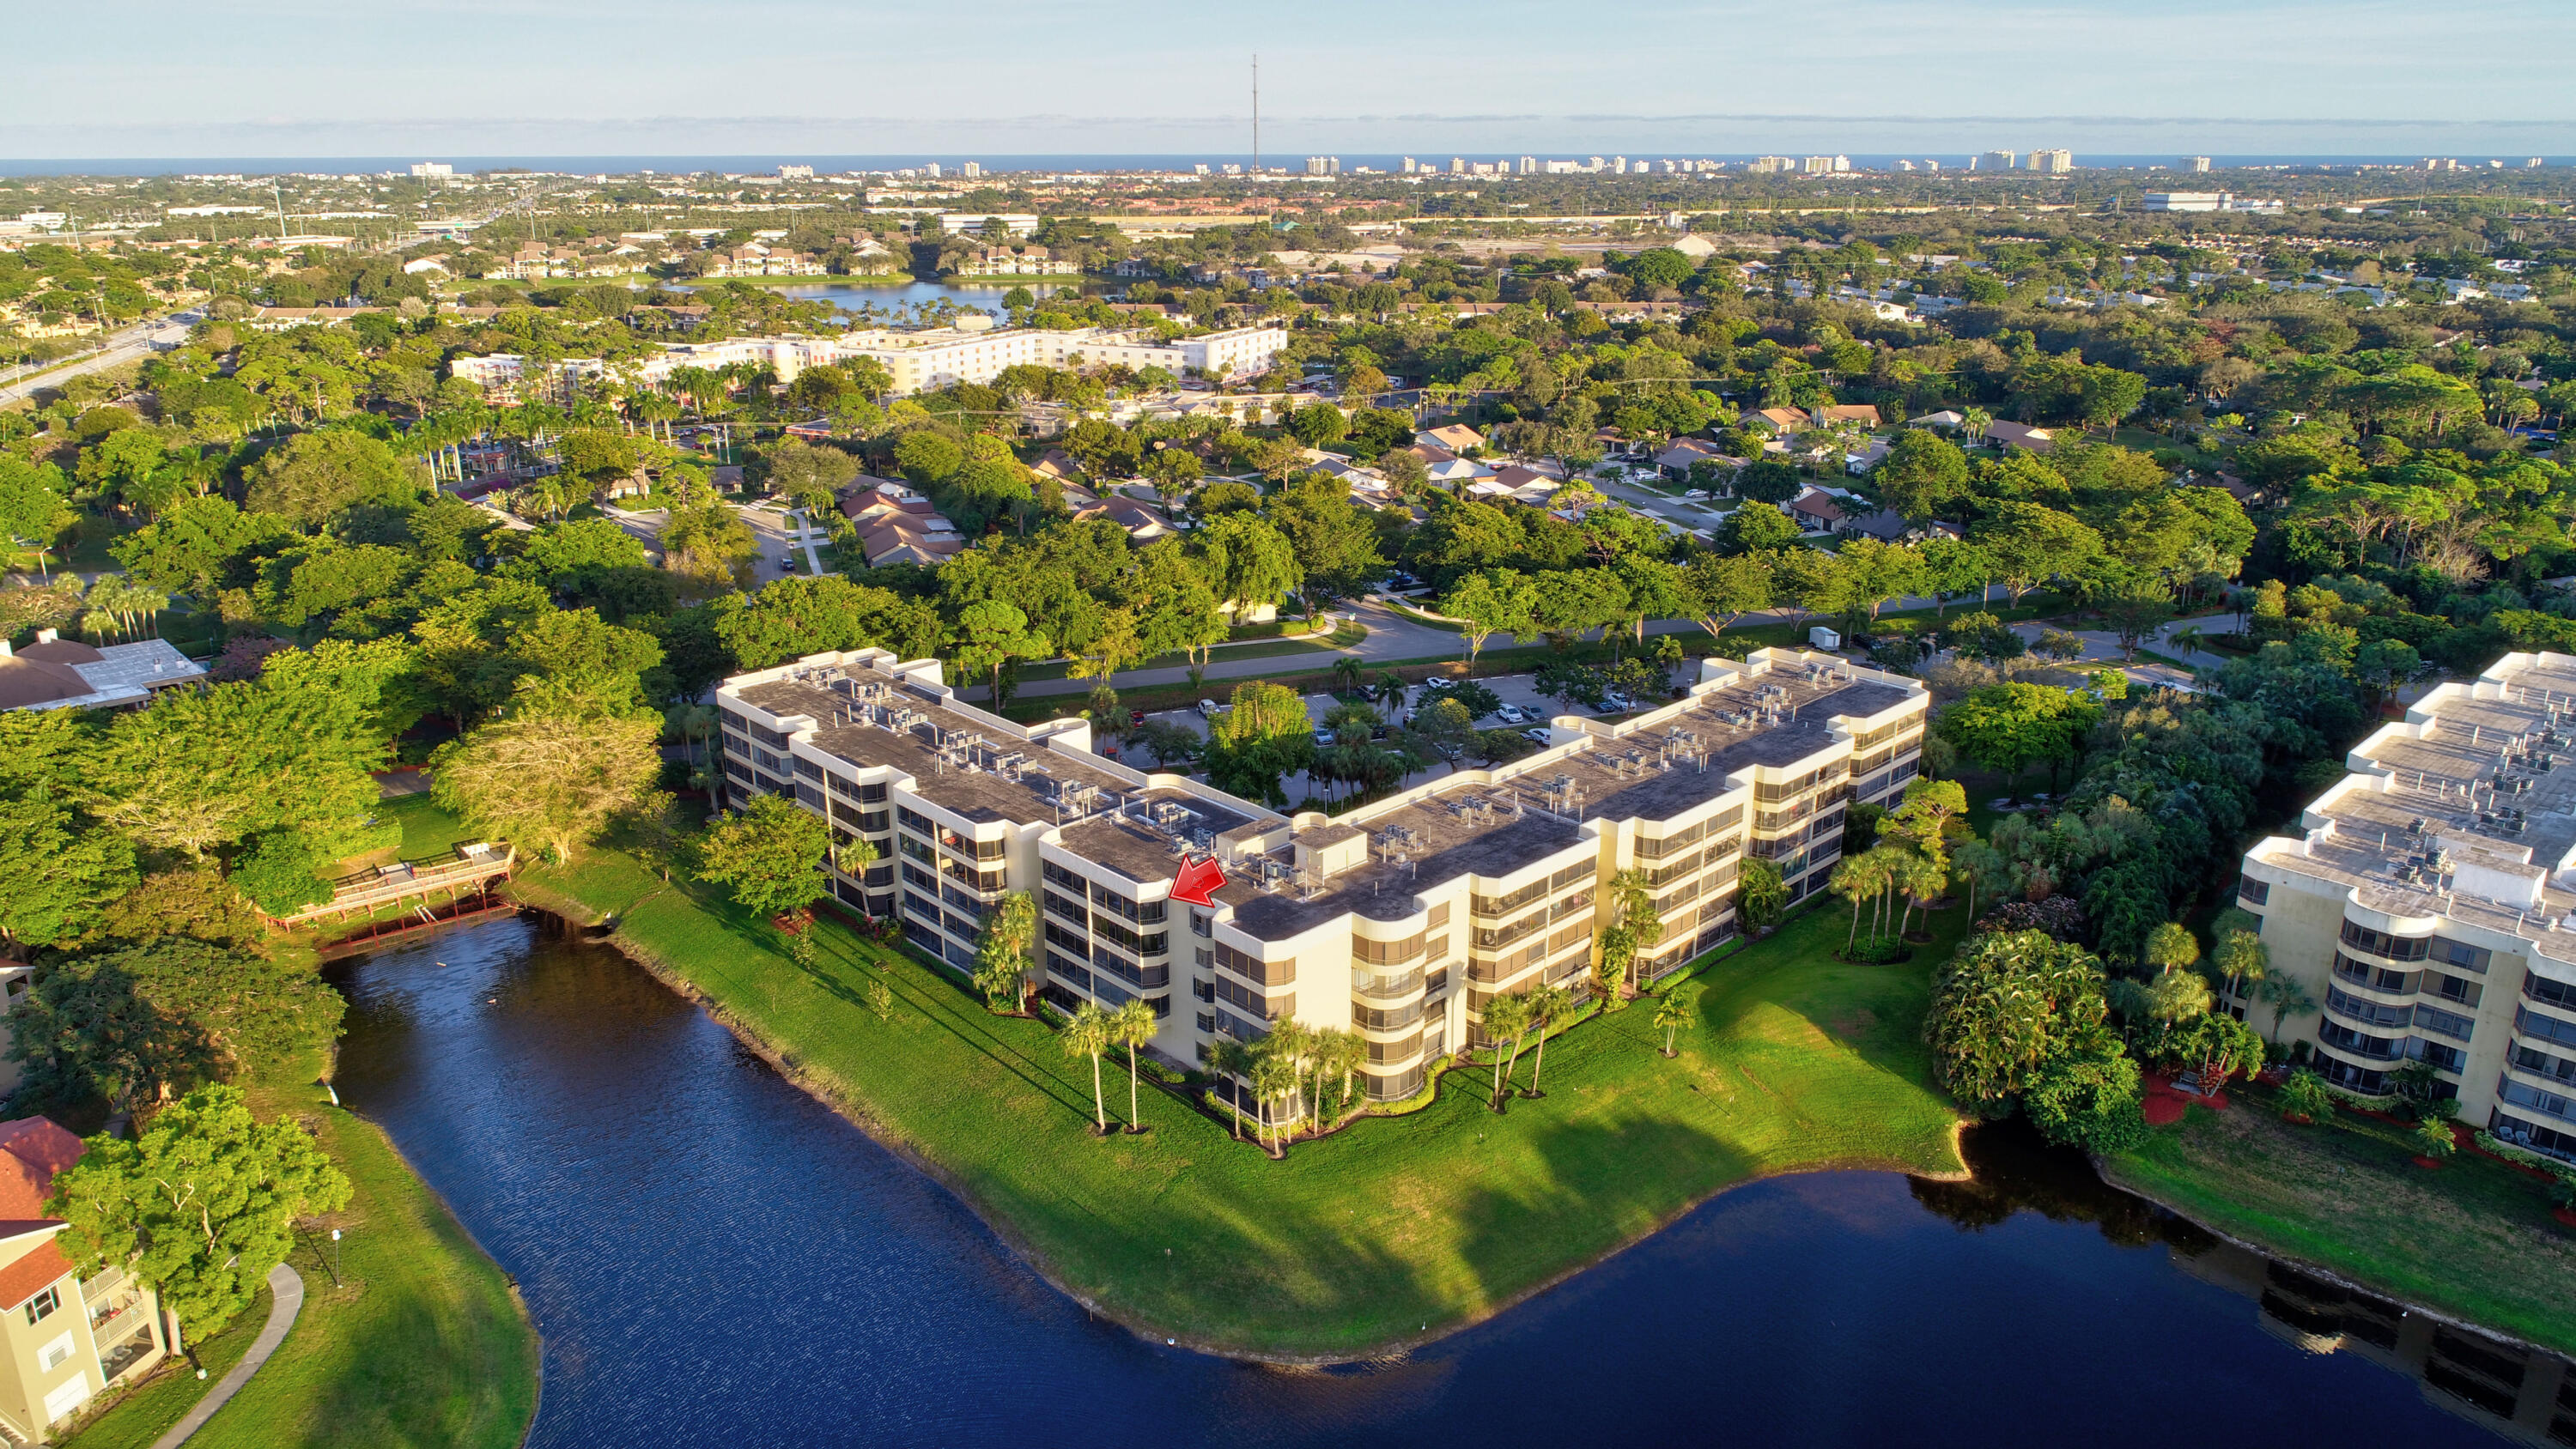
{"x": 1755, "y": 527}
{"x": 200, "y": 1207}
{"x": 1334, "y": 546}
{"x": 197, "y": 771}
{"x": 1263, "y": 738}
{"x": 55, "y": 874}
{"x": 1922, "y": 476}
{"x": 2089, "y": 1099}
{"x": 317, "y": 476}
{"x": 990, "y": 633}
{"x": 1671, "y": 1015}
{"x": 552, "y": 771}
{"x": 135, "y": 1025}
{"x": 35, "y": 507}
{"x": 1628, "y": 909}
{"x": 793, "y": 617}
{"x": 2305, "y": 1095}
{"x": 1490, "y": 602}
{"x": 2029, "y": 544}
{"x": 2004, "y": 1004}
{"x": 1722, "y": 590}
{"x": 770, "y": 854}
{"x": 2006, "y": 727}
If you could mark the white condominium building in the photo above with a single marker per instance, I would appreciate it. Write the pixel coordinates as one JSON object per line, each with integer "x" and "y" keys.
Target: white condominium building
{"x": 926, "y": 360}
{"x": 2426, "y": 903}
{"x": 1397, "y": 921}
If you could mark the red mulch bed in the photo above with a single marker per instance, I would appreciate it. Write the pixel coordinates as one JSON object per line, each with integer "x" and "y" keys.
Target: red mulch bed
{"x": 2165, "y": 1101}
{"x": 2564, "y": 1215}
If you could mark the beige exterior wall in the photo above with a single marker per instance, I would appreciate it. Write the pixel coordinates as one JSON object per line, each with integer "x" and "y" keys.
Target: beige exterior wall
{"x": 99, "y": 1333}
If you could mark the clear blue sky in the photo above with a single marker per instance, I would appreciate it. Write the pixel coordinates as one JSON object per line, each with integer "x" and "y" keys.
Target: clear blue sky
{"x": 364, "y": 77}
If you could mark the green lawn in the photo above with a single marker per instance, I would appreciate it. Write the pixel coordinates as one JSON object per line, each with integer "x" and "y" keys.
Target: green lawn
{"x": 422, "y": 1342}
{"x": 2472, "y": 1238}
{"x": 1437, "y": 1218}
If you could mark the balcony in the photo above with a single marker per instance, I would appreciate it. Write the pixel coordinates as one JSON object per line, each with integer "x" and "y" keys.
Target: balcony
{"x": 1381, "y": 988}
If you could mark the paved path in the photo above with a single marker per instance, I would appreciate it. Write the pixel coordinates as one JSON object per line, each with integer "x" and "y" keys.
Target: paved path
{"x": 2103, "y": 645}
{"x": 125, "y": 346}
{"x": 286, "y": 1299}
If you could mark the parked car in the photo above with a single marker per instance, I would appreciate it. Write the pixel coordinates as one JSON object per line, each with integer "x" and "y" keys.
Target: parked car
{"x": 1512, "y": 714}
{"x": 1614, "y": 702}
{"x": 1539, "y": 735}
{"x": 1210, "y": 709}
{"x": 1323, "y": 738}
{"x": 1136, "y": 717}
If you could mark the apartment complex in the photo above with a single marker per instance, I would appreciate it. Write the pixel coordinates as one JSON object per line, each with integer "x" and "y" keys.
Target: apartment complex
{"x": 1397, "y": 921}
{"x": 2429, "y": 903}
{"x": 919, "y": 361}
{"x": 63, "y": 1338}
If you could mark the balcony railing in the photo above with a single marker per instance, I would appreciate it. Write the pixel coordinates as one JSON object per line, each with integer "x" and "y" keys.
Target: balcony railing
{"x": 472, "y": 867}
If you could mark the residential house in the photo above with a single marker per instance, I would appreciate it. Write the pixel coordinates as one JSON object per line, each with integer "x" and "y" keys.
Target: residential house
{"x": 1674, "y": 463}
{"x": 1815, "y": 511}
{"x": 1456, "y": 437}
{"x": 1057, "y": 464}
{"x": 58, "y": 673}
{"x": 1837, "y": 413}
{"x": 1143, "y": 522}
{"x": 2020, "y": 435}
{"x": 1946, "y": 420}
{"x": 63, "y": 1339}
{"x": 1779, "y": 421}
{"x": 1016, "y": 261}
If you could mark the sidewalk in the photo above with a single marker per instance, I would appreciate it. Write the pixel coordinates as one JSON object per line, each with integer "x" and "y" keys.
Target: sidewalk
{"x": 286, "y": 1300}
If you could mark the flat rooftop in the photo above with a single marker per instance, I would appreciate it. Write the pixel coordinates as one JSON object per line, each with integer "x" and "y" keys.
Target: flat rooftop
{"x": 2489, "y": 787}
{"x": 963, "y": 764}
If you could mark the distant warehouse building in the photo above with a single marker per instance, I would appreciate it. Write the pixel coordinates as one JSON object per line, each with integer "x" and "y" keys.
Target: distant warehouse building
{"x": 1397, "y": 922}
{"x": 2428, "y": 903}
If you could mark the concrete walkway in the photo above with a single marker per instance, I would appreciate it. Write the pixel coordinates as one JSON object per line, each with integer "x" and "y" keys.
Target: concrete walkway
{"x": 286, "y": 1300}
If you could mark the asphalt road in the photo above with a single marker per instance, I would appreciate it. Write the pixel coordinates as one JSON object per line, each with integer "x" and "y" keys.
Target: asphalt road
{"x": 126, "y": 346}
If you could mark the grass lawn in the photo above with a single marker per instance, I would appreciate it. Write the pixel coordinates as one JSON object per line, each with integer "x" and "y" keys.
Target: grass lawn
{"x": 2472, "y": 1238}
{"x": 1437, "y": 1218}
{"x": 422, "y": 1342}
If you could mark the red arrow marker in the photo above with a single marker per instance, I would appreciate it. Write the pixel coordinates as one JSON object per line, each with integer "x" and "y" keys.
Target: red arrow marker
{"x": 1199, "y": 882}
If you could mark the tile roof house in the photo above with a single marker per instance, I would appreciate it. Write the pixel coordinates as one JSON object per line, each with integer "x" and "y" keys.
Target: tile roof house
{"x": 62, "y": 1339}
{"x": 1144, "y": 524}
{"x": 1675, "y": 462}
{"x": 59, "y": 673}
{"x": 1861, "y": 413}
{"x": 1779, "y": 420}
{"x": 1946, "y": 418}
{"x": 1056, "y": 464}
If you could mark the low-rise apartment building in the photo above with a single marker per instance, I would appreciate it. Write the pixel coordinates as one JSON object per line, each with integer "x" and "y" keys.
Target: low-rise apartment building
{"x": 63, "y": 1338}
{"x": 2429, "y": 903}
{"x": 1398, "y": 921}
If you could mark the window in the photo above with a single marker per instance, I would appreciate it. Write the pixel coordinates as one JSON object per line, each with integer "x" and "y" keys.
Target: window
{"x": 1071, "y": 910}
{"x": 912, "y": 820}
{"x": 914, "y": 875}
{"x": 2380, "y": 943}
{"x": 2452, "y": 988}
{"x": 2462, "y": 954}
{"x": 2443, "y": 1023}
{"x": 1250, "y": 968}
{"x": 2560, "y": 994}
{"x": 42, "y": 1306}
{"x": 872, "y": 794}
{"x": 1199, "y": 924}
{"x": 2546, "y": 1028}
{"x": 2369, "y": 1013}
{"x": 1059, "y": 875}
{"x": 808, "y": 768}
{"x": 2253, "y": 892}
{"x": 55, "y": 1354}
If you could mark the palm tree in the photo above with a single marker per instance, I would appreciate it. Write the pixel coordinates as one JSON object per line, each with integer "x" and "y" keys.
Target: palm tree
{"x": 2287, "y": 997}
{"x": 1227, "y": 1060}
{"x": 2170, "y": 947}
{"x": 2243, "y": 958}
{"x": 1504, "y": 1016}
{"x": 1672, "y": 1016}
{"x": 1389, "y": 692}
{"x": 1087, "y": 1034}
{"x": 1002, "y": 955}
{"x": 1274, "y": 1077}
{"x": 1338, "y": 1053}
{"x": 1131, "y": 1026}
{"x": 1347, "y": 671}
{"x": 1859, "y": 878}
{"x": 1548, "y": 1004}
{"x": 1922, "y": 878}
{"x": 1973, "y": 421}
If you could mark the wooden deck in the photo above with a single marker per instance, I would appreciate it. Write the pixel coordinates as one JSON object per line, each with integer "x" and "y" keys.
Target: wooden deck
{"x": 416, "y": 883}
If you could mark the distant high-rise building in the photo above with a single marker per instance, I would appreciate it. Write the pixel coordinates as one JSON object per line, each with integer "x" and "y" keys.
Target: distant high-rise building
{"x": 792, "y": 172}
{"x": 1996, "y": 161}
{"x": 1825, "y": 165}
{"x": 971, "y": 170}
{"x": 2052, "y": 163}
{"x": 1457, "y": 165}
{"x": 1770, "y": 165}
{"x": 1529, "y": 165}
{"x": 2534, "y": 161}
{"x": 1619, "y": 166}
{"x": 432, "y": 170}
{"x": 2195, "y": 163}
{"x": 931, "y": 170}
{"x": 1201, "y": 169}
{"x": 1411, "y": 166}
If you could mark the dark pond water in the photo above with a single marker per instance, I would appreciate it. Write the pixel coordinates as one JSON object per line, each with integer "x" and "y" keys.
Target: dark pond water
{"x": 713, "y": 1258}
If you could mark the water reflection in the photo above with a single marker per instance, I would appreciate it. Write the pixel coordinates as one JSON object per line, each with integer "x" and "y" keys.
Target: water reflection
{"x": 2522, "y": 1394}
{"x": 713, "y": 1256}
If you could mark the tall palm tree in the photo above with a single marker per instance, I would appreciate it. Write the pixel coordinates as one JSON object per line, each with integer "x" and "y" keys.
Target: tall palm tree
{"x": 2243, "y": 959}
{"x": 1002, "y": 953}
{"x": 1347, "y": 671}
{"x": 1922, "y": 878}
{"x": 1549, "y": 1004}
{"x": 2287, "y": 996}
{"x": 1131, "y": 1026}
{"x": 1389, "y": 693}
{"x": 2170, "y": 947}
{"x": 1504, "y": 1016}
{"x": 1671, "y": 1016}
{"x": 1274, "y": 1078}
{"x": 1228, "y": 1060}
{"x": 1858, "y": 879}
{"x": 1087, "y": 1034}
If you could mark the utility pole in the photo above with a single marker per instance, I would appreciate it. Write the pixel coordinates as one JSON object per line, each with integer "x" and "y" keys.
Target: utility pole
{"x": 1256, "y": 116}
{"x": 278, "y": 189}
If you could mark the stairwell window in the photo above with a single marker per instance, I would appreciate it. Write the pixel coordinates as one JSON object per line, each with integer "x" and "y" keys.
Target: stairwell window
{"x": 42, "y": 1306}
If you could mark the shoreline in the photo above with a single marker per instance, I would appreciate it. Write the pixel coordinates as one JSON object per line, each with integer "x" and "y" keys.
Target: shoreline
{"x": 2106, "y": 1169}
{"x": 833, "y": 1095}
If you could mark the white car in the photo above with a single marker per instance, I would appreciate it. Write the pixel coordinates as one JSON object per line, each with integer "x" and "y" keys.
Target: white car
{"x": 1512, "y": 714}
{"x": 1210, "y": 709}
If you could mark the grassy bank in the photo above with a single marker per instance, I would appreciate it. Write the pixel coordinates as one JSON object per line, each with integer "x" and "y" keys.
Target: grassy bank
{"x": 2473, "y": 1238}
{"x": 421, "y": 1341}
{"x": 1368, "y": 1237}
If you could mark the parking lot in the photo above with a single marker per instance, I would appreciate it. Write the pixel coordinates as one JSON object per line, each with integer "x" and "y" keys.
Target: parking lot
{"x": 1516, "y": 690}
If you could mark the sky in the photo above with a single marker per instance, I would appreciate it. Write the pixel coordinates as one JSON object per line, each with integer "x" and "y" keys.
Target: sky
{"x": 255, "y": 78}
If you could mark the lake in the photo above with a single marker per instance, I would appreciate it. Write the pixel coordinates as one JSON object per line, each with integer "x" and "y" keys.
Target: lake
{"x": 905, "y": 296}
{"x": 712, "y": 1255}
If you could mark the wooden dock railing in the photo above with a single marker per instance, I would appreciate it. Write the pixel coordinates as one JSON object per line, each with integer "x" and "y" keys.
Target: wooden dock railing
{"x": 473, "y": 867}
